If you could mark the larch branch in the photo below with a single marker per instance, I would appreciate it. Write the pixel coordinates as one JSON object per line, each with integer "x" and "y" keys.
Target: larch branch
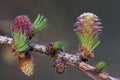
{"x": 73, "y": 60}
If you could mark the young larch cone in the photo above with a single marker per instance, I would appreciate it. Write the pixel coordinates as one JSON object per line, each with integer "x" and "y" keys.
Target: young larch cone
{"x": 88, "y": 27}
{"x": 22, "y": 24}
{"x": 21, "y": 31}
{"x": 88, "y": 23}
{"x": 26, "y": 65}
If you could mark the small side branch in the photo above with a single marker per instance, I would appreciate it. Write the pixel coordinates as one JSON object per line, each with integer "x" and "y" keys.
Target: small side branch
{"x": 73, "y": 60}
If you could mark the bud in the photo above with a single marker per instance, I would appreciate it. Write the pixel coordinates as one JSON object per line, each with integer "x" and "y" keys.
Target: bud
{"x": 100, "y": 66}
{"x": 59, "y": 66}
{"x": 58, "y": 45}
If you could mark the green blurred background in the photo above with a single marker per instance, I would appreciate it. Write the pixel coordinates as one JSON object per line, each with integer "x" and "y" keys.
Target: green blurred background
{"x": 61, "y": 16}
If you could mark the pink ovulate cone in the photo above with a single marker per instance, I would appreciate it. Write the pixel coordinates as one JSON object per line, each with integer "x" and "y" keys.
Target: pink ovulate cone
{"x": 22, "y": 24}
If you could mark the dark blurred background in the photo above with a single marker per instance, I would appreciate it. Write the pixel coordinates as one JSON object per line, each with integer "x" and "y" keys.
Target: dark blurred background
{"x": 61, "y": 15}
